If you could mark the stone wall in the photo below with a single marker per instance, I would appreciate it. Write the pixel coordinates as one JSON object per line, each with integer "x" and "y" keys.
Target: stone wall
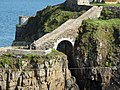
{"x": 74, "y": 5}
{"x": 23, "y": 20}
{"x": 83, "y": 2}
{"x": 77, "y": 2}
{"x": 19, "y": 33}
{"x": 21, "y": 51}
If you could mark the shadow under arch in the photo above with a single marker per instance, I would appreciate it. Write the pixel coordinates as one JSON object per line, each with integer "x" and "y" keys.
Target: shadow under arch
{"x": 66, "y": 47}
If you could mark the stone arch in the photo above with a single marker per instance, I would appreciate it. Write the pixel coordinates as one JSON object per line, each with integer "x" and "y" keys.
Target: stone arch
{"x": 63, "y": 39}
{"x": 66, "y": 46}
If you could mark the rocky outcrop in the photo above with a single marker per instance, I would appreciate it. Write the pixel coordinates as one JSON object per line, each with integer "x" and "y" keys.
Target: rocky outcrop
{"x": 42, "y": 74}
{"x": 97, "y": 55}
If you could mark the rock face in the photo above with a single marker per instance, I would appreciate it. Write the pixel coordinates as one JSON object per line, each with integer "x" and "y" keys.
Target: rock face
{"x": 97, "y": 55}
{"x": 52, "y": 74}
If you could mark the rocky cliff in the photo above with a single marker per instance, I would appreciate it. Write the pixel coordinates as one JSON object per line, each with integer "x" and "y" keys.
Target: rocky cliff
{"x": 97, "y": 55}
{"x": 33, "y": 72}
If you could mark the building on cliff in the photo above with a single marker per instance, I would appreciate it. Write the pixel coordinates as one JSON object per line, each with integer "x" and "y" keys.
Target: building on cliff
{"x": 78, "y": 2}
{"x": 23, "y": 20}
{"x": 87, "y": 2}
{"x": 111, "y": 1}
{"x": 106, "y": 1}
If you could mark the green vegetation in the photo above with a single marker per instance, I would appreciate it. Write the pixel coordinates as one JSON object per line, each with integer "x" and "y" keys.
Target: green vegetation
{"x": 107, "y": 14}
{"x": 48, "y": 20}
{"x": 101, "y": 37}
{"x": 18, "y": 25}
{"x": 7, "y": 60}
{"x": 51, "y": 17}
{"x": 11, "y": 61}
{"x": 54, "y": 54}
{"x": 101, "y": 29}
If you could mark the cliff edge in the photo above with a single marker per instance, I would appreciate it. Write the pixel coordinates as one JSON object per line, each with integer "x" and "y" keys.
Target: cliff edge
{"x": 35, "y": 72}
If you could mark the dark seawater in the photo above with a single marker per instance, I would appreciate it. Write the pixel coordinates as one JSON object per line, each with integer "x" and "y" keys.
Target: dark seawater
{"x": 10, "y": 10}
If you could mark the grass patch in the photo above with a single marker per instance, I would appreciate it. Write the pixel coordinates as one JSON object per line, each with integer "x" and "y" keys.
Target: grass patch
{"x": 51, "y": 17}
{"x": 54, "y": 54}
{"x": 101, "y": 29}
{"x": 100, "y": 37}
{"x": 11, "y": 61}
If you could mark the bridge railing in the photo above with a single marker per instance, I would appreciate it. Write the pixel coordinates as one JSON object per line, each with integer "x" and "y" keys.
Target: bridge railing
{"x": 22, "y": 51}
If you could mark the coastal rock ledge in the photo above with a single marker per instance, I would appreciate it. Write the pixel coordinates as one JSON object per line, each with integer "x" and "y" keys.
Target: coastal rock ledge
{"x": 31, "y": 72}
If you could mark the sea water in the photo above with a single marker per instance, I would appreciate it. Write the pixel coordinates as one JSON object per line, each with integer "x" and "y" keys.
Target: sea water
{"x": 10, "y": 10}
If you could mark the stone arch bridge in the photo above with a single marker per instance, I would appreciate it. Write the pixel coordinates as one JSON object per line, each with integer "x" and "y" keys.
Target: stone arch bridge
{"x": 67, "y": 32}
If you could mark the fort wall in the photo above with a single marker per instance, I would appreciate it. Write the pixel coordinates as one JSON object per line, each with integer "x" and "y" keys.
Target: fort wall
{"x": 23, "y": 19}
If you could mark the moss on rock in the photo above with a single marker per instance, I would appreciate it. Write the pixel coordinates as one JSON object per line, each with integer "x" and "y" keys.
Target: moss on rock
{"x": 100, "y": 40}
{"x": 12, "y": 61}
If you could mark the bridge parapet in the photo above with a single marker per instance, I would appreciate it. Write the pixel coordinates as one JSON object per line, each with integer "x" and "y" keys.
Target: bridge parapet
{"x": 21, "y": 51}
